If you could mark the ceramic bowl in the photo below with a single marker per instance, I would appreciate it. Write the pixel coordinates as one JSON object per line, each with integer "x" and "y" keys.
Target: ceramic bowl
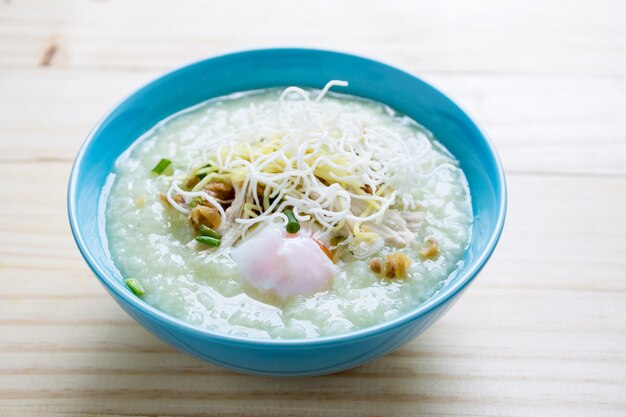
{"x": 249, "y": 70}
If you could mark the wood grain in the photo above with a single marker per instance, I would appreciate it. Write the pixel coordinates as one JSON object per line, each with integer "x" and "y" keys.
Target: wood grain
{"x": 542, "y": 330}
{"x": 459, "y": 36}
{"x": 540, "y": 124}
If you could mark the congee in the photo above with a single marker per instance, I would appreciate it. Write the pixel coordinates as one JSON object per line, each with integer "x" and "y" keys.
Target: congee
{"x": 287, "y": 213}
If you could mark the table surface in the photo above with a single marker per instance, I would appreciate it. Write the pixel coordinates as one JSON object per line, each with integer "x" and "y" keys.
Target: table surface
{"x": 542, "y": 331}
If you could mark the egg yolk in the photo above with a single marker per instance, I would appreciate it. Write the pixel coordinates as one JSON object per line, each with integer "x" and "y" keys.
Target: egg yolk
{"x": 276, "y": 262}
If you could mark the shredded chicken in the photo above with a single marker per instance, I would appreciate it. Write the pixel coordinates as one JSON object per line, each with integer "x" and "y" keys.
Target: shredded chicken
{"x": 397, "y": 227}
{"x": 232, "y": 233}
{"x": 413, "y": 219}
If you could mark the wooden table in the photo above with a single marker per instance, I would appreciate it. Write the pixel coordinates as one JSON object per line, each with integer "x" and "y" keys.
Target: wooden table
{"x": 541, "y": 332}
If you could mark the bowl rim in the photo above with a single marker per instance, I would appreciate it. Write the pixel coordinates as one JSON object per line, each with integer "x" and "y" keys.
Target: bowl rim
{"x": 438, "y": 299}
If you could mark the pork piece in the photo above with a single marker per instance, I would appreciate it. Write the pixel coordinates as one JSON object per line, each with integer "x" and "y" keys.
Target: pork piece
{"x": 397, "y": 227}
{"x": 376, "y": 265}
{"x": 394, "y": 266}
{"x": 178, "y": 198}
{"x": 431, "y": 249}
{"x": 220, "y": 190}
{"x": 191, "y": 182}
{"x": 208, "y": 216}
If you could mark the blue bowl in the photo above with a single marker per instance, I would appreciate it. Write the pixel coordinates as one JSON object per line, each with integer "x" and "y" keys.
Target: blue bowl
{"x": 256, "y": 69}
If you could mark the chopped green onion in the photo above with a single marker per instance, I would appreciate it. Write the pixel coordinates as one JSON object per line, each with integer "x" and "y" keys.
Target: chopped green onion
{"x": 207, "y": 240}
{"x": 162, "y": 166}
{"x": 207, "y": 231}
{"x": 196, "y": 201}
{"x": 134, "y": 286}
{"x": 292, "y": 223}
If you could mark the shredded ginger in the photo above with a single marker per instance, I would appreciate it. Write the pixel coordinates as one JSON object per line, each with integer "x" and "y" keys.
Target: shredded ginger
{"x": 332, "y": 170}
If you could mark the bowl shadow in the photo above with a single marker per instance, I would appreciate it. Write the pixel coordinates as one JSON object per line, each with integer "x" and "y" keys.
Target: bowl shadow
{"x": 134, "y": 373}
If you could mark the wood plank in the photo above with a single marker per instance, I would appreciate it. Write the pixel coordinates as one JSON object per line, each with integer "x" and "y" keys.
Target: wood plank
{"x": 462, "y": 363}
{"x": 541, "y": 331}
{"x": 504, "y": 36}
{"x": 544, "y": 124}
{"x": 64, "y": 104}
{"x": 539, "y": 124}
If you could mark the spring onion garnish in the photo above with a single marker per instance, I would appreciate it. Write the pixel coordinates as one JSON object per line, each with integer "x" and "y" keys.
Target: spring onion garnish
{"x": 292, "y": 223}
{"x": 134, "y": 286}
{"x": 195, "y": 202}
{"x": 207, "y": 231}
{"x": 162, "y": 166}
{"x": 208, "y": 240}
